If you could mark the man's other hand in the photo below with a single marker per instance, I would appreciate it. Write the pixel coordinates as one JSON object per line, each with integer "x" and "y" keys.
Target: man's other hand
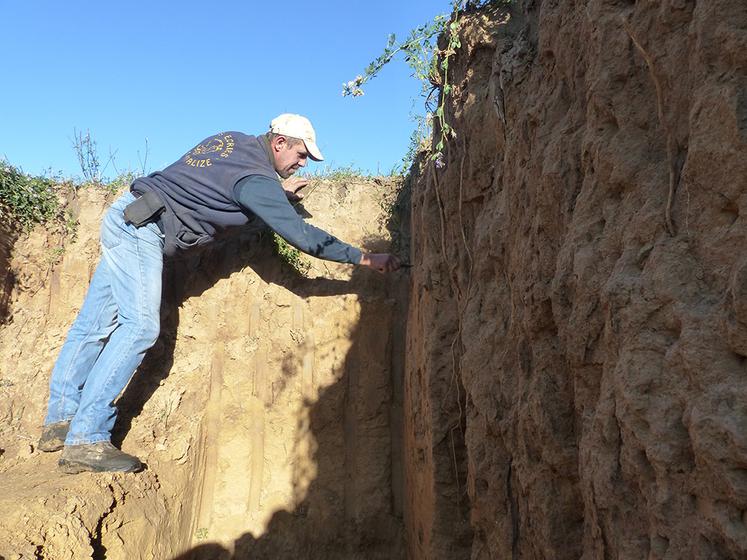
{"x": 292, "y": 185}
{"x": 383, "y": 262}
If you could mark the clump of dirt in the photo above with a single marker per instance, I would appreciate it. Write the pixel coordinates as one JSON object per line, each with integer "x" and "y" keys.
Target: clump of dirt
{"x": 268, "y": 413}
{"x": 577, "y": 335}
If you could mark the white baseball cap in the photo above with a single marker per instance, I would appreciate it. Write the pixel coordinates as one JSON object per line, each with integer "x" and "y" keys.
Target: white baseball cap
{"x": 289, "y": 124}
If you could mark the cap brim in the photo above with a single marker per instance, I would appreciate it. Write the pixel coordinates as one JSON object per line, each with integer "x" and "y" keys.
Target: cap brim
{"x": 313, "y": 149}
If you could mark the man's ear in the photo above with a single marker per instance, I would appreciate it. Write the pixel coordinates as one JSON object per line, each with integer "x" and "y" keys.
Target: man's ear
{"x": 279, "y": 143}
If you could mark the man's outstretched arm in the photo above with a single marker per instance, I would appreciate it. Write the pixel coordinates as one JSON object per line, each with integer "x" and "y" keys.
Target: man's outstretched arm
{"x": 266, "y": 198}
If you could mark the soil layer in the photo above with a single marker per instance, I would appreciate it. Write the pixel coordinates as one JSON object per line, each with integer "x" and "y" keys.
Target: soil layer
{"x": 267, "y": 413}
{"x": 577, "y": 337}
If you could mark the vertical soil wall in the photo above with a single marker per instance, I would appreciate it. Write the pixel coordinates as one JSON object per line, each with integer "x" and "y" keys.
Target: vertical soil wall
{"x": 574, "y": 382}
{"x": 577, "y": 341}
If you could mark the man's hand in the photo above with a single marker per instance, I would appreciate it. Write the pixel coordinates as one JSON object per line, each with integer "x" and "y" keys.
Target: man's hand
{"x": 292, "y": 185}
{"x": 383, "y": 262}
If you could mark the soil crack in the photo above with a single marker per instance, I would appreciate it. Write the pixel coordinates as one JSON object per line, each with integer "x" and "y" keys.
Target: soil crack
{"x": 97, "y": 547}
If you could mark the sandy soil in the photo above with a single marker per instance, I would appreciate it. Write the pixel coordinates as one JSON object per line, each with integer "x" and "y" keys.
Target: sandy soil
{"x": 267, "y": 412}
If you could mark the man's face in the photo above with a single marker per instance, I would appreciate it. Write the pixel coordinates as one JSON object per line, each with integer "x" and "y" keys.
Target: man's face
{"x": 288, "y": 158}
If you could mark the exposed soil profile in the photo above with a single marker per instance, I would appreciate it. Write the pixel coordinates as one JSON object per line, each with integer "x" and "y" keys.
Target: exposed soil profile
{"x": 267, "y": 413}
{"x": 562, "y": 374}
{"x": 577, "y": 336}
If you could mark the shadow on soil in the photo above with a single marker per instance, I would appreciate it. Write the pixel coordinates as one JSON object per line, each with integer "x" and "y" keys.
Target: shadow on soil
{"x": 353, "y": 507}
{"x": 7, "y": 279}
{"x": 191, "y": 276}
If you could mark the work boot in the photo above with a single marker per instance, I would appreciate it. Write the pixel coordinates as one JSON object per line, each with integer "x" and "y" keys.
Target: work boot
{"x": 53, "y": 436}
{"x": 101, "y": 456}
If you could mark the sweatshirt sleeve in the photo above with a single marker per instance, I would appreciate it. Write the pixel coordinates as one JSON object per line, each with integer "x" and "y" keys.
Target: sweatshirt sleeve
{"x": 265, "y": 198}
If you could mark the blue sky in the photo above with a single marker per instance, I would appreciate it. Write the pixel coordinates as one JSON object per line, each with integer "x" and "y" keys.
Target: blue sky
{"x": 176, "y": 72}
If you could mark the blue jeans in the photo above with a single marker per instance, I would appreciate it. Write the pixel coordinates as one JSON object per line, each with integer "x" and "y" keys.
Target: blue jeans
{"x": 118, "y": 322}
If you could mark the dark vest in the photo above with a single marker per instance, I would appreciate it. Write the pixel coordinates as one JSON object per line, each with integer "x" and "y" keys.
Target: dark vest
{"x": 197, "y": 190}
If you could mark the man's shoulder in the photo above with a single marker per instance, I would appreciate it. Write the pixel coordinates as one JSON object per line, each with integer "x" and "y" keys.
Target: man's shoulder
{"x": 231, "y": 136}
{"x": 238, "y": 135}
{"x": 231, "y": 144}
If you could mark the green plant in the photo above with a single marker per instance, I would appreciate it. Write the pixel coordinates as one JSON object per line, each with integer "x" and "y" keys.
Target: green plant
{"x": 445, "y": 129}
{"x": 26, "y": 199}
{"x": 70, "y": 225}
{"x": 430, "y": 65}
{"x": 290, "y": 255}
{"x": 121, "y": 181}
{"x": 54, "y": 255}
{"x": 418, "y": 50}
{"x": 329, "y": 173}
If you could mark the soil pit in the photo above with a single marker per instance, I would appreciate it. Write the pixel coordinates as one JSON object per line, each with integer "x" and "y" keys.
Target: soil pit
{"x": 268, "y": 412}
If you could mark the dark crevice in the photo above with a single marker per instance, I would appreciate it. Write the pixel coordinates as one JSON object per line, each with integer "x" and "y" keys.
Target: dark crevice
{"x": 514, "y": 505}
{"x": 98, "y": 549}
{"x": 8, "y": 237}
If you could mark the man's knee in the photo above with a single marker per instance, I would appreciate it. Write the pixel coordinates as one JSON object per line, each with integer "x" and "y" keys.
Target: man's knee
{"x": 148, "y": 332}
